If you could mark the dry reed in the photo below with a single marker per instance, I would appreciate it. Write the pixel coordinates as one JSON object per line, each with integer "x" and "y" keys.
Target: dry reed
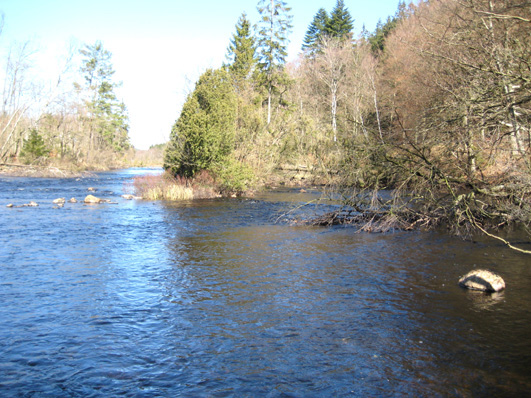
{"x": 166, "y": 187}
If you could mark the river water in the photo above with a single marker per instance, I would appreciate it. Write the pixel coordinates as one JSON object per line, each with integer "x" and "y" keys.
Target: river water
{"x": 215, "y": 298}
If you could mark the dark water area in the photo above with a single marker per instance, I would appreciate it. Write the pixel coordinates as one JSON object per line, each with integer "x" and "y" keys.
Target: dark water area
{"x": 214, "y": 298}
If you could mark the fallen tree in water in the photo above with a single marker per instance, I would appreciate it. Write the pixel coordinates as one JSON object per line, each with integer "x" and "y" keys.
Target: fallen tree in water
{"x": 484, "y": 211}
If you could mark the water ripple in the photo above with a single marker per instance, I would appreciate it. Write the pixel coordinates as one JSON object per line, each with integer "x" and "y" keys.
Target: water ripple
{"x": 212, "y": 298}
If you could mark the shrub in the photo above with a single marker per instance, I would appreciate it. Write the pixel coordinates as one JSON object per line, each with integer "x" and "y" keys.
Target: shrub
{"x": 233, "y": 177}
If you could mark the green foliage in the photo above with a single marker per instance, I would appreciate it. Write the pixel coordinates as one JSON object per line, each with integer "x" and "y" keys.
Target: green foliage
{"x": 273, "y": 30}
{"x": 203, "y": 135}
{"x": 383, "y": 30}
{"x": 107, "y": 115}
{"x": 315, "y": 32}
{"x": 34, "y": 147}
{"x": 241, "y": 54}
{"x": 340, "y": 23}
{"x": 233, "y": 177}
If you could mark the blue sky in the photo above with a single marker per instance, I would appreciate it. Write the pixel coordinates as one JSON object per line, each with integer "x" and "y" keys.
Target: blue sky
{"x": 159, "y": 47}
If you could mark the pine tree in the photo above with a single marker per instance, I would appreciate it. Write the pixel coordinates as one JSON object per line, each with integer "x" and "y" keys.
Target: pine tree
{"x": 340, "y": 23}
{"x": 107, "y": 115}
{"x": 241, "y": 54}
{"x": 315, "y": 32}
{"x": 34, "y": 147}
{"x": 274, "y": 27}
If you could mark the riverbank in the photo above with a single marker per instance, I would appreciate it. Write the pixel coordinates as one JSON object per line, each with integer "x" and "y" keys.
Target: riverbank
{"x": 22, "y": 170}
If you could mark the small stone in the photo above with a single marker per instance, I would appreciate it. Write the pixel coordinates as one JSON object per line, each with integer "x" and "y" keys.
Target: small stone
{"x": 9, "y": 205}
{"x": 91, "y": 189}
{"x": 32, "y": 204}
{"x": 73, "y": 200}
{"x": 483, "y": 280}
{"x": 59, "y": 201}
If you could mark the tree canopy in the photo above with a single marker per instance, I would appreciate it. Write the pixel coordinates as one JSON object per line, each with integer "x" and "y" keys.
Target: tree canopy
{"x": 339, "y": 25}
{"x": 273, "y": 29}
{"x": 241, "y": 54}
{"x": 107, "y": 114}
{"x": 316, "y": 31}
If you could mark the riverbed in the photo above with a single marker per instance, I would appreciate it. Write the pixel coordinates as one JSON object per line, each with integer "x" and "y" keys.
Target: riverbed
{"x": 221, "y": 297}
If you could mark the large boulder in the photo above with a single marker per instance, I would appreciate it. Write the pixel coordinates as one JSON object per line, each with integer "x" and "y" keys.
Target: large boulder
{"x": 482, "y": 279}
{"x": 92, "y": 199}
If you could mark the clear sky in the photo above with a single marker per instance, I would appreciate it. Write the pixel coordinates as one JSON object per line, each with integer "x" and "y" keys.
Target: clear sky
{"x": 159, "y": 47}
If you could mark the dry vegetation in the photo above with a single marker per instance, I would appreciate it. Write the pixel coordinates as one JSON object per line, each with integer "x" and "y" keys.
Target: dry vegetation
{"x": 166, "y": 187}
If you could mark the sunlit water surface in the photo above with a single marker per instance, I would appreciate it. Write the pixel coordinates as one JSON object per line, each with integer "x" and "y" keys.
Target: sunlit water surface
{"x": 216, "y": 298}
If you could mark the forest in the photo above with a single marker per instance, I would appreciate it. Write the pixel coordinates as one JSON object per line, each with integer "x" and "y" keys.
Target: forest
{"x": 433, "y": 106}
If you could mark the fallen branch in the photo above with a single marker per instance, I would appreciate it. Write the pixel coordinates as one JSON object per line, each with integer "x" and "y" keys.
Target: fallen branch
{"x": 511, "y": 246}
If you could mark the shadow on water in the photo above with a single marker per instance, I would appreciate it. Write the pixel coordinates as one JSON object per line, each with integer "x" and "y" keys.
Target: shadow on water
{"x": 213, "y": 298}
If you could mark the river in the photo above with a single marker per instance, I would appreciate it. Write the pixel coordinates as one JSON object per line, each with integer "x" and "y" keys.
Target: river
{"x": 214, "y": 298}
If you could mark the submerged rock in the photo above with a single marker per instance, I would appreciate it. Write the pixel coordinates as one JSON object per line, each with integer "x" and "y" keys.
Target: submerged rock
{"x": 482, "y": 279}
{"x": 32, "y": 204}
{"x": 130, "y": 197}
{"x": 91, "y": 189}
{"x": 59, "y": 201}
{"x": 73, "y": 200}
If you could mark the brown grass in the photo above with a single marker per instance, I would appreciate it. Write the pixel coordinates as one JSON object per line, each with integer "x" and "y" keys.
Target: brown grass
{"x": 167, "y": 187}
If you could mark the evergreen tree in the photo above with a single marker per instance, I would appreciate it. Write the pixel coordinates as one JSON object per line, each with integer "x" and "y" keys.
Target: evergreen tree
{"x": 34, "y": 147}
{"x": 203, "y": 136}
{"x": 377, "y": 39}
{"x": 241, "y": 54}
{"x": 107, "y": 115}
{"x": 340, "y": 23}
{"x": 315, "y": 32}
{"x": 274, "y": 27}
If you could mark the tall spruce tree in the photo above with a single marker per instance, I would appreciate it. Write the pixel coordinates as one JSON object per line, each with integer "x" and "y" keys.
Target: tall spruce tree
{"x": 315, "y": 33}
{"x": 340, "y": 23}
{"x": 241, "y": 54}
{"x": 273, "y": 30}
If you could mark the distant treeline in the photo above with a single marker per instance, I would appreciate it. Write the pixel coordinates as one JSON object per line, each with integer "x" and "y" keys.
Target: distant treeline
{"x": 77, "y": 120}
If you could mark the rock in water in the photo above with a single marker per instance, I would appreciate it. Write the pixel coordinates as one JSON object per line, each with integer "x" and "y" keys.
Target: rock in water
{"x": 59, "y": 201}
{"x": 73, "y": 200}
{"x": 92, "y": 199}
{"x": 482, "y": 279}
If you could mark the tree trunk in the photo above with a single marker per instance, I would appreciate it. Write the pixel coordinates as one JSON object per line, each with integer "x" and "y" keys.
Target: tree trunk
{"x": 333, "y": 89}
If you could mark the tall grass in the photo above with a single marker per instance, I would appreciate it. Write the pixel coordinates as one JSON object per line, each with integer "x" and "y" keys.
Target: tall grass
{"x": 166, "y": 187}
